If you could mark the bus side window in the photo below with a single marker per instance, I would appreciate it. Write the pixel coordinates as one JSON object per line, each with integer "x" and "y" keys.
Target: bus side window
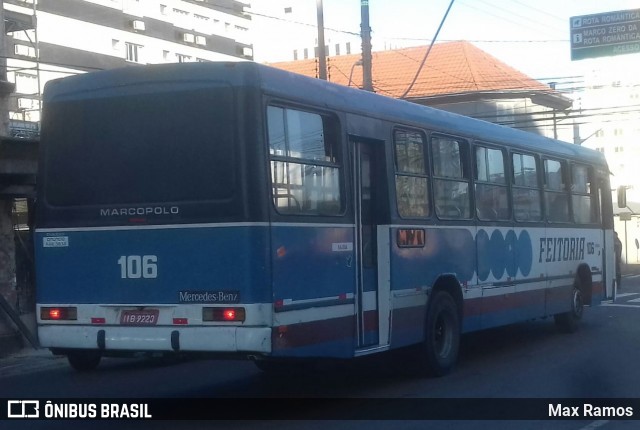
{"x": 451, "y": 177}
{"x": 491, "y": 185}
{"x": 412, "y": 183}
{"x": 584, "y": 196}
{"x": 526, "y": 191}
{"x": 305, "y": 167}
{"x": 556, "y": 197}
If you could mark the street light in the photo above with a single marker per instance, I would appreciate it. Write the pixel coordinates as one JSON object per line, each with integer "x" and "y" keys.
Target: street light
{"x": 357, "y": 63}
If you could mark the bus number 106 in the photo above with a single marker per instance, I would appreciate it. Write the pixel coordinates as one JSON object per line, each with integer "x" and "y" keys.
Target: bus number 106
{"x": 138, "y": 266}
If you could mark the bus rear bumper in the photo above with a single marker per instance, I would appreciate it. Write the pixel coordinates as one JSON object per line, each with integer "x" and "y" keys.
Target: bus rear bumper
{"x": 169, "y": 339}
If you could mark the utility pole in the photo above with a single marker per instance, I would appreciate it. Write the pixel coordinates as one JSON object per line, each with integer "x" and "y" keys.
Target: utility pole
{"x": 367, "y": 82}
{"x": 555, "y": 121}
{"x": 322, "y": 55}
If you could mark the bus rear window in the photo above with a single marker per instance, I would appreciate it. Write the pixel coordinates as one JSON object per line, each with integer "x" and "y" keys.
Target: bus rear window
{"x": 153, "y": 147}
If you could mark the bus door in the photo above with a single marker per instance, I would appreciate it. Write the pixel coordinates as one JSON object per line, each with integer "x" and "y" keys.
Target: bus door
{"x": 605, "y": 207}
{"x": 372, "y": 303}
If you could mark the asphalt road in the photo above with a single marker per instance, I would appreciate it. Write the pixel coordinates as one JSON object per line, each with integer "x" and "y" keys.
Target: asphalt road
{"x": 530, "y": 360}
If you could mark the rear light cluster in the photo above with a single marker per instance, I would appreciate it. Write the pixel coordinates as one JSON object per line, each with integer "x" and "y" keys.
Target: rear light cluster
{"x": 59, "y": 313}
{"x": 232, "y": 314}
{"x": 223, "y": 314}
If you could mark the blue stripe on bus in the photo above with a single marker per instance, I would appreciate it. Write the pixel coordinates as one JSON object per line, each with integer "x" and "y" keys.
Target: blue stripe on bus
{"x": 446, "y": 251}
{"x": 86, "y": 270}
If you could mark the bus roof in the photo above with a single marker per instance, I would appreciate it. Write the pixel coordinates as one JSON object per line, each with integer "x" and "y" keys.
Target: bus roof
{"x": 316, "y": 92}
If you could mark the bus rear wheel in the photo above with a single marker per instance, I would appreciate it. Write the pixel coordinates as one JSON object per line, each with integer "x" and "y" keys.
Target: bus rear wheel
{"x": 84, "y": 361}
{"x": 568, "y": 321}
{"x": 439, "y": 351}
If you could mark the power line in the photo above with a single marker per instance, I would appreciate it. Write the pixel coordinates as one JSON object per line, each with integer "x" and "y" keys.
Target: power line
{"x": 524, "y": 118}
{"x": 520, "y": 17}
{"x": 497, "y": 16}
{"x": 262, "y": 15}
{"x": 428, "y": 51}
{"x": 539, "y": 11}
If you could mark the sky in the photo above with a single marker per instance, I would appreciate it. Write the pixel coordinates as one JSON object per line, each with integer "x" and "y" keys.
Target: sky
{"x": 531, "y": 36}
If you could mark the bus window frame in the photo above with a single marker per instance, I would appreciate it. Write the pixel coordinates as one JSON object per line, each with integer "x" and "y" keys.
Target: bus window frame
{"x": 593, "y": 194}
{"x": 539, "y": 184}
{"x": 426, "y": 174}
{"x": 342, "y": 157}
{"x": 565, "y": 176}
{"x": 506, "y": 164}
{"x": 467, "y": 174}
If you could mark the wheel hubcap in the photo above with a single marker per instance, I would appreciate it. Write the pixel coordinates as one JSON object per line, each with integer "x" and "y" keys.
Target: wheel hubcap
{"x": 577, "y": 303}
{"x": 443, "y": 337}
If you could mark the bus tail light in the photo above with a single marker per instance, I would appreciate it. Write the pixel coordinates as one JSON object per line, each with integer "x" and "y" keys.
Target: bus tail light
{"x": 59, "y": 313}
{"x": 223, "y": 314}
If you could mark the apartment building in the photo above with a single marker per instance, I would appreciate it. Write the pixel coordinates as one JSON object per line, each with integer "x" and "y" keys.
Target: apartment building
{"x": 279, "y": 20}
{"x": 49, "y": 39}
{"x": 608, "y": 112}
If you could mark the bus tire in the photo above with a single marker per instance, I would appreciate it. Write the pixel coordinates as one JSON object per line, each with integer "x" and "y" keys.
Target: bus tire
{"x": 84, "y": 361}
{"x": 439, "y": 351}
{"x": 568, "y": 321}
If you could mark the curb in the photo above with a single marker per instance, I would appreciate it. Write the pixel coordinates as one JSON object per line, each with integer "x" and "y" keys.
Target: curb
{"x": 28, "y": 360}
{"x": 10, "y": 344}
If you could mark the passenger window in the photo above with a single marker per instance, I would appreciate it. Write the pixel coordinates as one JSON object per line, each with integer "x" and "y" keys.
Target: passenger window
{"x": 491, "y": 189}
{"x": 584, "y": 198}
{"x": 556, "y": 197}
{"x": 525, "y": 189}
{"x": 451, "y": 177}
{"x": 305, "y": 169}
{"x": 412, "y": 184}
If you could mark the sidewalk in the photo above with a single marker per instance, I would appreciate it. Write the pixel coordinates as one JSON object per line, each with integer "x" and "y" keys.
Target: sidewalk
{"x": 28, "y": 360}
{"x": 630, "y": 269}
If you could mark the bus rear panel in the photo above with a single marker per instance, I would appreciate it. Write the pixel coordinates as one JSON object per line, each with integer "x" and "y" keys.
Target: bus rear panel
{"x": 145, "y": 240}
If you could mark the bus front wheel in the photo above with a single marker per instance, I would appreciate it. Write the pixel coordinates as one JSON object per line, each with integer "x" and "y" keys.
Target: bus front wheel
{"x": 439, "y": 351}
{"x": 84, "y": 361}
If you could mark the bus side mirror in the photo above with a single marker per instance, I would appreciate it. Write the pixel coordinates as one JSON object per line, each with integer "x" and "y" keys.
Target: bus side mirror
{"x": 622, "y": 196}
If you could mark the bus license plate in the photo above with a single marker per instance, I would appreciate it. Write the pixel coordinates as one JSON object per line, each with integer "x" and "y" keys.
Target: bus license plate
{"x": 139, "y": 317}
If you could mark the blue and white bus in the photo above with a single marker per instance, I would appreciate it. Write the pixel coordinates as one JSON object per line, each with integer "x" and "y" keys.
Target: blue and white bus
{"x": 236, "y": 210}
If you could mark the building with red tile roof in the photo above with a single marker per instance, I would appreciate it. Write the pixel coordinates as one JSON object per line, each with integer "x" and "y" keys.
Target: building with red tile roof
{"x": 457, "y": 76}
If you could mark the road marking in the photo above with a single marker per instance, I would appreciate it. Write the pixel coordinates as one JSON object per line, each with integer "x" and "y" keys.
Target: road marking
{"x": 595, "y": 425}
{"x": 633, "y": 301}
{"x": 620, "y": 305}
{"x": 626, "y": 294}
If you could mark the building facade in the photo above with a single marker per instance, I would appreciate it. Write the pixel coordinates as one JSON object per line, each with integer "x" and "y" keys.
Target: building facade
{"x": 278, "y": 20}
{"x": 49, "y": 39}
{"x": 608, "y": 115}
{"x": 459, "y": 78}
